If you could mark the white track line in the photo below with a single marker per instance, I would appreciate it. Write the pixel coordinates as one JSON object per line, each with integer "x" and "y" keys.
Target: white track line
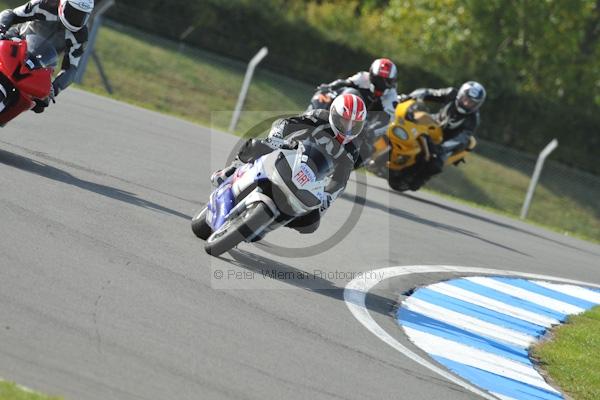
{"x": 524, "y": 294}
{"x": 502, "y": 397}
{"x": 491, "y": 304}
{"x": 573, "y": 291}
{"x": 468, "y": 323}
{"x": 356, "y": 292}
{"x": 475, "y": 358}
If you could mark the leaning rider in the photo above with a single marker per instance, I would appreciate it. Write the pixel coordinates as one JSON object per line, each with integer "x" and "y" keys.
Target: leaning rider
{"x": 458, "y": 118}
{"x": 333, "y": 131}
{"x": 378, "y": 88}
{"x": 63, "y": 23}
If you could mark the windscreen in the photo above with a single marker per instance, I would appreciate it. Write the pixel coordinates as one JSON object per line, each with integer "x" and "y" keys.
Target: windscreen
{"x": 40, "y": 53}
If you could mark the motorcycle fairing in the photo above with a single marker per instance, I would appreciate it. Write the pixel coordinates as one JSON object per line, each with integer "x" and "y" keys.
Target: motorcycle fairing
{"x": 223, "y": 200}
{"x": 21, "y": 84}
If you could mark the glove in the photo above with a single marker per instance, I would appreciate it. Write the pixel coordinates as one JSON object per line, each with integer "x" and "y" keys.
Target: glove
{"x": 403, "y": 97}
{"x": 41, "y": 105}
{"x": 289, "y": 145}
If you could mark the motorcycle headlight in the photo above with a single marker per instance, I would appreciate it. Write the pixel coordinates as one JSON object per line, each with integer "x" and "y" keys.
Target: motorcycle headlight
{"x": 400, "y": 133}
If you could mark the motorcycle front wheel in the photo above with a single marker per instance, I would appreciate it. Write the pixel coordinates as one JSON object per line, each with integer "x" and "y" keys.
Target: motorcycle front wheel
{"x": 238, "y": 229}
{"x": 199, "y": 225}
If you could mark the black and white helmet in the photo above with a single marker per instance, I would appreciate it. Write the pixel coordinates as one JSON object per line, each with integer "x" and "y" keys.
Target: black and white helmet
{"x": 74, "y": 14}
{"x": 470, "y": 97}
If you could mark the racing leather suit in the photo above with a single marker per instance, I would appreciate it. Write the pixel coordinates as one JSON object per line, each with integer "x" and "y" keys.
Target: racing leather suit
{"x": 314, "y": 126}
{"x": 458, "y": 128}
{"x": 40, "y": 17}
{"x": 361, "y": 82}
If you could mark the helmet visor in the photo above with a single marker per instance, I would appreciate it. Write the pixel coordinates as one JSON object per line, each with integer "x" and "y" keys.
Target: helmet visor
{"x": 76, "y": 18}
{"x": 468, "y": 104}
{"x": 382, "y": 84}
{"x": 348, "y": 128}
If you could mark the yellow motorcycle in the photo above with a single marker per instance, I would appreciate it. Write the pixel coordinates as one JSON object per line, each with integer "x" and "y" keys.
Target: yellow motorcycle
{"x": 402, "y": 153}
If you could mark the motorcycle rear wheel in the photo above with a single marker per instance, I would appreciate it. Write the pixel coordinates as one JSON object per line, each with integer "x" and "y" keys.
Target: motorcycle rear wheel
{"x": 238, "y": 229}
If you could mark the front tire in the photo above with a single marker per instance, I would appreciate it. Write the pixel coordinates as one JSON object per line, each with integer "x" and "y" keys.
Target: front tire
{"x": 199, "y": 225}
{"x": 238, "y": 229}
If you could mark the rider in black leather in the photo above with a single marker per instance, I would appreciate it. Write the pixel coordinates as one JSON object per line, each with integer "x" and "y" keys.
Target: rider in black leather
{"x": 318, "y": 126}
{"x": 459, "y": 119}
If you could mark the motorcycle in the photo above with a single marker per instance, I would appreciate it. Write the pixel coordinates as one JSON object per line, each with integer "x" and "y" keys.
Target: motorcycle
{"x": 400, "y": 155}
{"x": 26, "y": 69}
{"x": 263, "y": 196}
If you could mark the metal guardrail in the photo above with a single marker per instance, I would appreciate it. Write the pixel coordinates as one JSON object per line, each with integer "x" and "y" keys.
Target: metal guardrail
{"x": 96, "y": 22}
{"x": 536, "y": 176}
{"x": 262, "y": 53}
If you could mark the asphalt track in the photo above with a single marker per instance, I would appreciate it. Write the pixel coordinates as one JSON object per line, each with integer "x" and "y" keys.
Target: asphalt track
{"x": 106, "y": 294}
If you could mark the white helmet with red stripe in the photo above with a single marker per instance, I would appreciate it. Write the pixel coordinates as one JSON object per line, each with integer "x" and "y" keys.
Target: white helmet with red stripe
{"x": 347, "y": 117}
{"x": 383, "y": 75}
{"x": 74, "y": 14}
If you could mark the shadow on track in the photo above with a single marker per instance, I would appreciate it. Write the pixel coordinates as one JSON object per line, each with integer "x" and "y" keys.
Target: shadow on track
{"x": 44, "y": 170}
{"x": 478, "y": 217}
{"x": 289, "y": 275}
{"x": 434, "y": 224}
{"x": 491, "y": 221}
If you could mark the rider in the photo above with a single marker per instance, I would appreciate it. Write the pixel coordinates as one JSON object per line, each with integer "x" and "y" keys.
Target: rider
{"x": 377, "y": 87}
{"x": 63, "y": 23}
{"x": 458, "y": 118}
{"x": 333, "y": 131}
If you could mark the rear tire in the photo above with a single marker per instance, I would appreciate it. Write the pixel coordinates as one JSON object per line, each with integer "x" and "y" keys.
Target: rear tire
{"x": 399, "y": 181}
{"x": 239, "y": 229}
{"x": 199, "y": 225}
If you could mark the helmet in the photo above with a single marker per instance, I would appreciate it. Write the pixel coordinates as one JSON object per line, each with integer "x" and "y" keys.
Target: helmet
{"x": 470, "y": 97}
{"x": 74, "y": 14}
{"x": 383, "y": 75}
{"x": 347, "y": 117}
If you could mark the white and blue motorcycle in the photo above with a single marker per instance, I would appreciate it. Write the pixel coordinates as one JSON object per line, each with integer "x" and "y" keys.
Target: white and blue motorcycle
{"x": 263, "y": 196}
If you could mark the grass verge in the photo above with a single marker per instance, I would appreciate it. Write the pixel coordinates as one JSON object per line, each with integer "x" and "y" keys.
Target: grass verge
{"x": 571, "y": 356}
{"x": 194, "y": 84}
{"x": 11, "y": 391}
{"x": 565, "y": 200}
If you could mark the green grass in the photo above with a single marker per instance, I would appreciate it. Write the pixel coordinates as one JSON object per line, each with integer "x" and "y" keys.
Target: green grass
{"x": 193, "y": 84}
{"x": 565, "y": 200}
{"x": 10, "y": 391}
{"x": 571, "y": 357}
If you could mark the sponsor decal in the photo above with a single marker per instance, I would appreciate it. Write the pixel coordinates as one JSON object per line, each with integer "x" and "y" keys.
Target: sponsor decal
{"x": 304, "y": 176}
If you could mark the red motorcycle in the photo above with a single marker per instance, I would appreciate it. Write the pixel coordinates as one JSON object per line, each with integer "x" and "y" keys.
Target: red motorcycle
{"x": 26, "y": 69}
